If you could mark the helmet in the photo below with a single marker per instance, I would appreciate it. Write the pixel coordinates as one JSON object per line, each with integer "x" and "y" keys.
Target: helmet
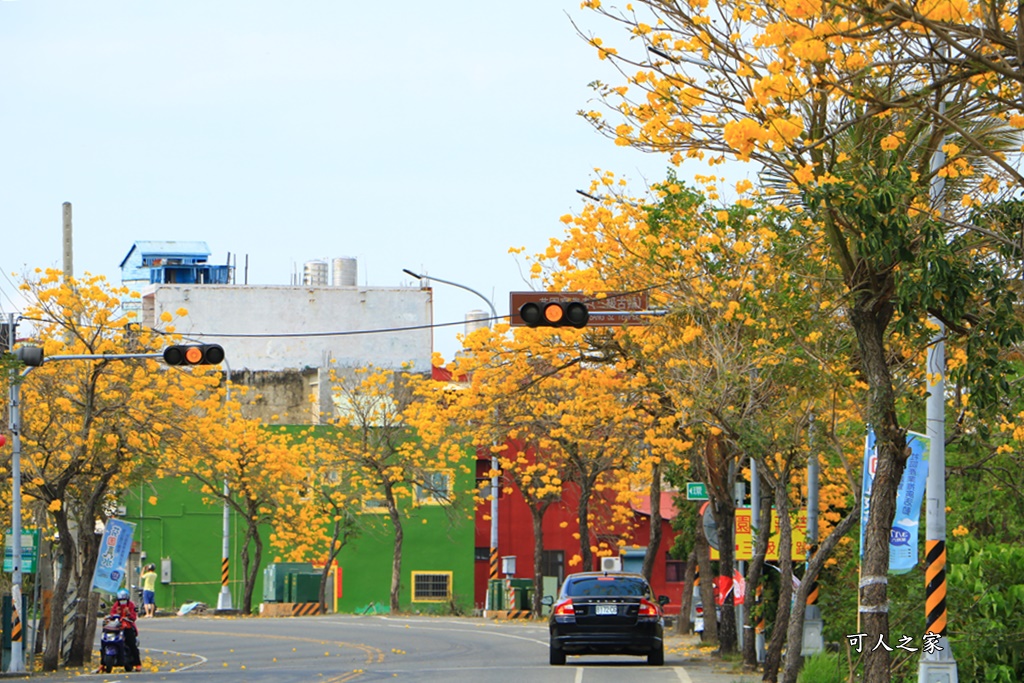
{"x": 122, "y": 594}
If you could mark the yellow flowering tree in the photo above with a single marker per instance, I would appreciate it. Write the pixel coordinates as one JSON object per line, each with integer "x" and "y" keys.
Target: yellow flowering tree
{"x": 375, "y": 451}
{"x": 844, "y": 124}
{"x": 319, "y": 523}
{"x": 90, "y": 426}
{"x": 257, "y": 470}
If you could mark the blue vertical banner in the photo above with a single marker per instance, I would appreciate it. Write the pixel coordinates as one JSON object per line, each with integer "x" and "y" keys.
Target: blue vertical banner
{"x": 112, "y": 562}
{"x": 870, "y": 464}
{"x": 903, "y": 538}
{"x": 907, "y": 521}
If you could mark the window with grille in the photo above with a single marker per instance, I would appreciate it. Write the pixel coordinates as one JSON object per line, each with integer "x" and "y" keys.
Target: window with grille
{"x": 431, "y": 586}
{"x": 434, "y": 488}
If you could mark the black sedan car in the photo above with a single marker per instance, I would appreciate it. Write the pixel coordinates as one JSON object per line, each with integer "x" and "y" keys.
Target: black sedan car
{"x": 608, "y": 613}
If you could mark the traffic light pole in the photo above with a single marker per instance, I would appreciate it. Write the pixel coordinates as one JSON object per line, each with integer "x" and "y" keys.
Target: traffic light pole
{"x": 492, "y": 559}
{"x": 224, "y": 597}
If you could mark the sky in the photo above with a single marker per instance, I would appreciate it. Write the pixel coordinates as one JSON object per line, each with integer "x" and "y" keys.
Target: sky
{"x": 427, "y": 136}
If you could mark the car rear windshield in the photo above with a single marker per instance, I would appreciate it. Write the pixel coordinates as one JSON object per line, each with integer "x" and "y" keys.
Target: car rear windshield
{"x": 606, "y": 585}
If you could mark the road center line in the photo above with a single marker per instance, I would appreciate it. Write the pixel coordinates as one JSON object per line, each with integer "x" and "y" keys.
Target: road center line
{"x": 683, "y": 676}
{"x": 202, "y": 659}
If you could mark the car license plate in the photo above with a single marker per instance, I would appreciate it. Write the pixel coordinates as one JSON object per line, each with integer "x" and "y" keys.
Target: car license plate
{"x": 606, "y": 609}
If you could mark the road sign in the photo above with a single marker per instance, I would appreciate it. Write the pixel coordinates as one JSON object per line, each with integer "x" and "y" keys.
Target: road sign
{"x": 607, "y": 309}
{"x": 696, "y": 490}
{"x": 29, "y": 551}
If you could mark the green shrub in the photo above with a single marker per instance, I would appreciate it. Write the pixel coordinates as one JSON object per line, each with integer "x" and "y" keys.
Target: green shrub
{"x": 823, "y": 667}
{"x": 986, "y": 610}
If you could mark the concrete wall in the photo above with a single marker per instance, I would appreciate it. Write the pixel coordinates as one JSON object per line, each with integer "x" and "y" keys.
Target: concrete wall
{"x": 252, "y": 324}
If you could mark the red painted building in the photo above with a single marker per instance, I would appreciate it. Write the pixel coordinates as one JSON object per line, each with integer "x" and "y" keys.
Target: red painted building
{"x": 561, "y": 538}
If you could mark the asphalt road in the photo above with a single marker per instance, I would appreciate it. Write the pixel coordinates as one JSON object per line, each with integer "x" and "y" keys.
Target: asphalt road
{"x": 337, "y": 649}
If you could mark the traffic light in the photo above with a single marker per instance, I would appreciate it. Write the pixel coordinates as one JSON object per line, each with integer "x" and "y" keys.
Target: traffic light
{"x": 194, "y": 354}
{"x": 554, "y": 314}
{"x": 31, "y": 356}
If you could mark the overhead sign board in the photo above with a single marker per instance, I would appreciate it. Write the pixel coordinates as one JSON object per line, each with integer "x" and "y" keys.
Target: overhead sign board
{"x": 696, "y": 490}
{"x": 607, "y": 309}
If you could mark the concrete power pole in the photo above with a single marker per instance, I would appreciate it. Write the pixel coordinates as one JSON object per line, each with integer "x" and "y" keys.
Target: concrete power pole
{"x": 69, "y": 266}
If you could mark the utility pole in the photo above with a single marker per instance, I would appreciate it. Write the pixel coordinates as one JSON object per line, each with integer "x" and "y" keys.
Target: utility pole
{"x": 755, "y": 524}
{"x": 813, "y": 638}
{"x": 936, "y": 665}
{"x": 69, "y": 268}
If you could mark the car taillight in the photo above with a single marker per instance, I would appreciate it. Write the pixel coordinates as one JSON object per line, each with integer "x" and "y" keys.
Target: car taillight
{"x": 565, "y": 609}
{"x": 648, "y": 609}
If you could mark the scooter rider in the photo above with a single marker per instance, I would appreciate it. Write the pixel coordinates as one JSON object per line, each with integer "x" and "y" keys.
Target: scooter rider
{"x": 123, "y": 607}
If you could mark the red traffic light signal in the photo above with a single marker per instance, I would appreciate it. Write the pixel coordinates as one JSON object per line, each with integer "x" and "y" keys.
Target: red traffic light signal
{"x": 554, "y": 314}
{"x": 194, "y": 354}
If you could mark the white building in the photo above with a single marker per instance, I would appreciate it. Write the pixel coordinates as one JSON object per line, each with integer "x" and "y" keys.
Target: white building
{"x": 282, "y": 341}
{"x": 278, "y": 327}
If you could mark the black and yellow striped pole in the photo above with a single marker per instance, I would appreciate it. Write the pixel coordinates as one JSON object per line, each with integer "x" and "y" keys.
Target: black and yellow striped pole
{"x": 224, "y": 597}
{"x": 936, "y": 662}
{"x": 935, "y": 586}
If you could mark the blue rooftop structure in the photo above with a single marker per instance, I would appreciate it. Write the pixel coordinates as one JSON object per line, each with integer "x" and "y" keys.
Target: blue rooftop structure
{"x": 172, "y": 262}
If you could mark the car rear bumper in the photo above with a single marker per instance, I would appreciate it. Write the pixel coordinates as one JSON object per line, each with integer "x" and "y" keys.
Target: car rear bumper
{"x": 638, "y": 639}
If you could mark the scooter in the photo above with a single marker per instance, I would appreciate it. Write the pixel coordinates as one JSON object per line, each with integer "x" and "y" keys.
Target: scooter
{"x": 112, "y": 646}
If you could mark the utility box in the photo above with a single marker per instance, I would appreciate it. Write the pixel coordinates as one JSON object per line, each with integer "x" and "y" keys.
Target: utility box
{"x": 302, "y": 587}
{"x": 522, "y": 594}
{"x": 274, "y": 576}
{"x": 165, "y": 570}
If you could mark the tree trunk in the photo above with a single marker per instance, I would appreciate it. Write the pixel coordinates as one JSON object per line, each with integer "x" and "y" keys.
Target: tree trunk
{"x": 796, "y": 621}
{"x": 654, "y": 542}
{"x": 396, "y": 559}
{"x": 332, "y": 553}
{"x": 707, "y": 590}
{"x": 725, "y": 512}
{"x": 583, "y": 513}
{"x": 773, "y": 655}
{"x": 251, "y": 570}
{"x": 683, "y": 624}
{"x": 537, "y": 513}
{"x": 753, "y": 578}
{"x": 869, "y": 324}
{"x": 85, "y": 623}
{"x": 55, "y": 633}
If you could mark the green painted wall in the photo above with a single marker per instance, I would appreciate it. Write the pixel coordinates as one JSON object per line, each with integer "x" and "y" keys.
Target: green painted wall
{"x": 179, "y": 526}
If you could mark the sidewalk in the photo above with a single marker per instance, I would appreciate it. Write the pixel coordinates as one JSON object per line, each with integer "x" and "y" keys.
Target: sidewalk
{"x": 700, "y": 666}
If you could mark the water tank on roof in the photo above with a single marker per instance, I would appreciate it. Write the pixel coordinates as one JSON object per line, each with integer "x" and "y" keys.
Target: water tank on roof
{"x": 344, "y": 272}
{"x": 475, "y": 319}
{"x": 314, "y": 274}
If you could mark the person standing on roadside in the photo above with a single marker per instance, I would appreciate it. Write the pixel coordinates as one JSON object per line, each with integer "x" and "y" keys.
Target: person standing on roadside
{"x": 148, "y": 579}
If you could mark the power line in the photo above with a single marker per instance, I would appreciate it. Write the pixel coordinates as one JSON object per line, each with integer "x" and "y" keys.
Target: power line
{"x": 350, "y": 333}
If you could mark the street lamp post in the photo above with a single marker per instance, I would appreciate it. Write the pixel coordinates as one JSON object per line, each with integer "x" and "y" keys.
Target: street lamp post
{"x": 492, "y": 573}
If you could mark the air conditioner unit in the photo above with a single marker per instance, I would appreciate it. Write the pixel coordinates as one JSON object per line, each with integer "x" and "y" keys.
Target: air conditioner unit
{"x": 611, "y": 564}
